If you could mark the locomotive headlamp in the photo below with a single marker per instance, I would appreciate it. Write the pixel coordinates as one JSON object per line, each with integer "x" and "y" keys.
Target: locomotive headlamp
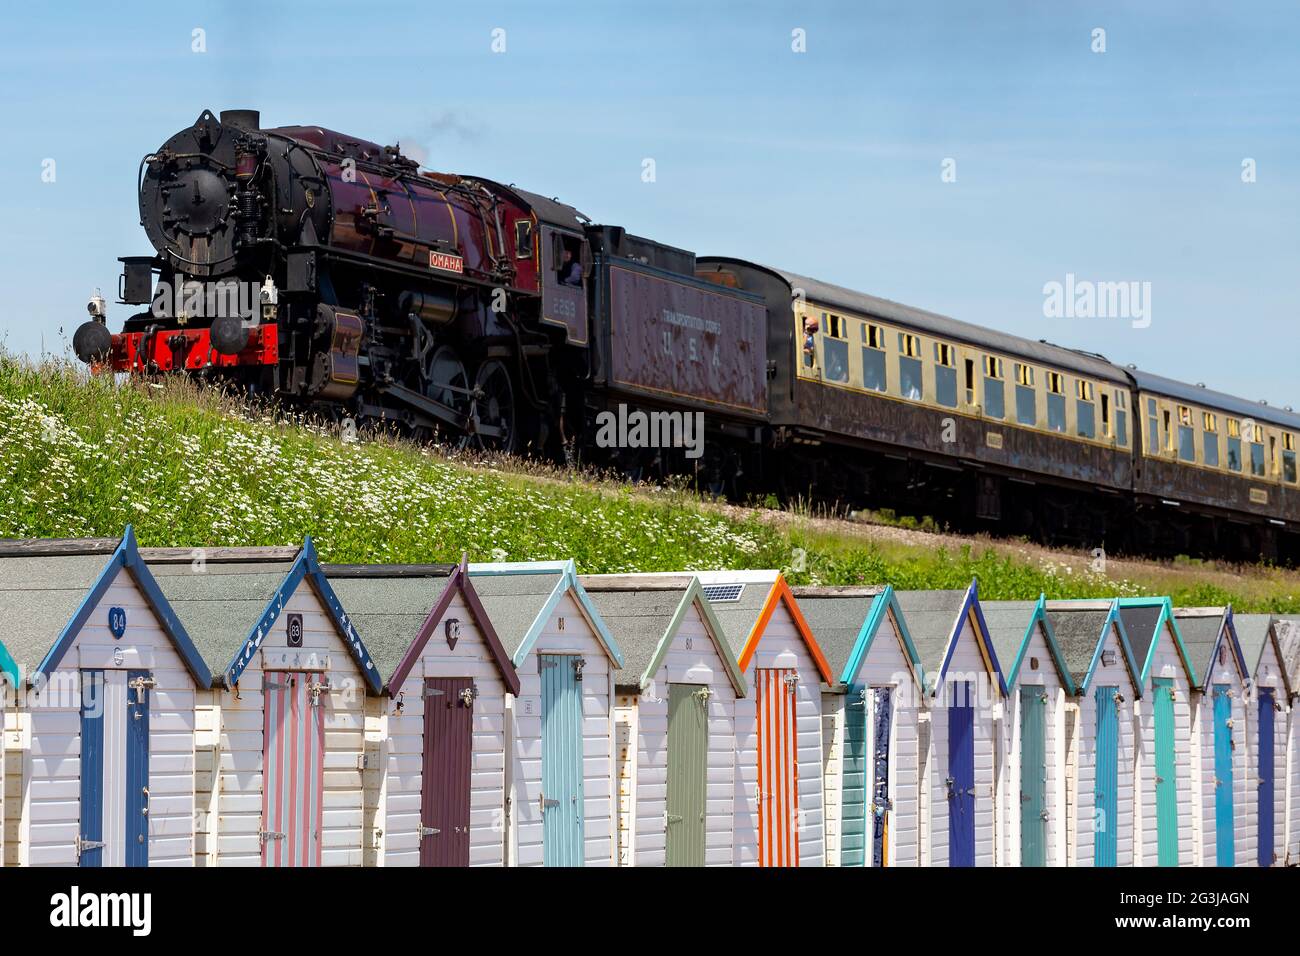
{"x": 97, "y": 308}
{"x": 270, "y": 300}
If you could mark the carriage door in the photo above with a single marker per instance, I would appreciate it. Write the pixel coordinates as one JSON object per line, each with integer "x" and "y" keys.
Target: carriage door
{"x": 561, "y": 797}
{"x": 114, "y": 829}
{"x": 688, "y": 742}
{"x": 961, "y": 775}
{"x": 882, "y": 804}
{"x": 1033, "y": 777}
{"x": 1166, "y": 786}
{"x": 1105, "y": 787}
{"x": 1224, "y": 837}
{"x": 853, "y": 826}
{"x": 778, "y": 799}
{"x": 294, "y": 760}
{"x": 445, "y": 781}
{"x": 1266, "y": 776}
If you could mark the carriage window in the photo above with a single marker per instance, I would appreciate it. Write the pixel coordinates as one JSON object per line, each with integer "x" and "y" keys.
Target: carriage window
{"x": 1234, "y": 444}
{"x": 1288, "y": 458}
{"x": 1085, "y": 412}
{"x": 1055, "y": 402}
{"x": 1121, "y": 419}
{"x": 1153, "y": 428}
{"x": 835, "y": 358}
{"x": 909, "y": 365}
{"x": 1026, "y": 400}
{"x": 1187, "y": 443}
{"x": 945, "y": 375}
{"x": 1105, "y": 414}
{"x": 1168, "y": 429}
{"x": 994, "y": 397}
{"x": 1257, "y": 464}
{"x": 1210, "y": 443}
{"x": 873, "y": 358}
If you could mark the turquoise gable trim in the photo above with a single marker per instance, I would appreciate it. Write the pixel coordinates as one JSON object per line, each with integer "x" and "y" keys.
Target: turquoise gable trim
{"x": 568, "y": 582}
{"x": 1040, "y": 619}
{"x": 305, "y": 567}
{"x": 883, "y": 602}
{"x": 126, "y": 557}
{"x": 1113, "y": 620}
{"x": 1168, "y": 620}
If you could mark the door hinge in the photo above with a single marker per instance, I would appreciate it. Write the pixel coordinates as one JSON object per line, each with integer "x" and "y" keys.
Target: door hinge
{"x": 84, "y": 845}
{"x": 426, "y": 831}
{"x": 674, "y": 818}
{"x": 433, "y": 692}
{"x": 266, "y": 836}
{"x": 543, "y": 804}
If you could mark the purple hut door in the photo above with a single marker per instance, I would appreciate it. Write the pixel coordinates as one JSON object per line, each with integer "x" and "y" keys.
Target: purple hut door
{"x": 448, "y": 739}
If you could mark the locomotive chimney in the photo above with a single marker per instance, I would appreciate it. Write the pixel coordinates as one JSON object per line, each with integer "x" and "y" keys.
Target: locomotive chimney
{"x": 249, "y": 120}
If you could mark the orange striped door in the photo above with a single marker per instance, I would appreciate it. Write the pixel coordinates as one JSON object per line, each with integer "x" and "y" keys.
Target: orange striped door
{"x": 778, "y": 773}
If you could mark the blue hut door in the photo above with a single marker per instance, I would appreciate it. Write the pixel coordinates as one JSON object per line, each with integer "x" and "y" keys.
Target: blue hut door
{"x": 1166, "y": 784}
{"x": 114, "y": 788}
{"x": 882, "y": 804}
{"x": 1266, "y": 777}
{"x": 1033, "y": 777}
{"x": 853, "y": 832}
{"x": 1105, "y": 788}
{"x": 961, "y": 775}
{"x": 1224, "y": 838}
{"x": 561, "y": 798}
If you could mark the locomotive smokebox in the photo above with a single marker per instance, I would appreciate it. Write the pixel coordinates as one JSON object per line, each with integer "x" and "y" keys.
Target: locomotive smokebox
{"x": 250, "y": 120}
{"x": 92, "y": 342}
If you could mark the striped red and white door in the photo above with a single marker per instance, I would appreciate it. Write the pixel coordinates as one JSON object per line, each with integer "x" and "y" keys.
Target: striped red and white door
{"x": 778, "y": 771}
{"x": 294, "y": 760}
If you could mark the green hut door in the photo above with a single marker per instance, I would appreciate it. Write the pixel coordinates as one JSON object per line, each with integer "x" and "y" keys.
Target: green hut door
{"x": 1033, "y": 777}
{"x": 1166, "y": 784}
{"x": 688, "y": 743}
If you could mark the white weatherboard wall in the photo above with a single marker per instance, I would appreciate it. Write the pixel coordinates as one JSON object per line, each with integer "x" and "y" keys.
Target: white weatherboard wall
{"x": 1046, "y": 678}
{"x": 782, "y": 646}
{"x": 1292, "y": 855}
{"x": 232, "y": 831}
{"x": 51, "y": 752}
{"x": 886, "y": 666}
{"x": 1205, "y": 784}
{"x": 402, "y": 786}
{"x": 1268, "y": 673}
{"x": 577, "y": 638}
{"x": 967, "y": 664}
{"x": 1111, "y": 671}
{"x": 1166, "y": 663}
{"x": 832, "y": 772}
{"x": 693, "y": 659}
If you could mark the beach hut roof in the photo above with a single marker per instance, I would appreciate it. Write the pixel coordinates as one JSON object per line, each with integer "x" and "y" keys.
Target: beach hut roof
{"x": 231, "y": 604}
{"x": 48, "y": 590}
{"x": 1202, "y": 630}
{"x": 846, "y": 621}
{"x": 1012, "y": 625}
{"x": 1256, "y": 633}
{"x": 520, "y": 596}
{"x": 1143, "y": 619}
{"x": 1080, "y": 629}
{"x": 398, "y": 606}
{"x": 934, "y": 620}
{"x": 647, "y": 610}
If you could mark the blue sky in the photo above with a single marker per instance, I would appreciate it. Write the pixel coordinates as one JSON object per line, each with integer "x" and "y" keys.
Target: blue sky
{"x": 1123, "y": 165}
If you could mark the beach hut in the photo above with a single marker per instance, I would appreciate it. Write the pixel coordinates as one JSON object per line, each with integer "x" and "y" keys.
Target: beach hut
{"x": 675, "y": 716}
{"x": 1266, "y": 730}
{"x": 778, "y": 726}
{"x": 439, "y": 795}
{"x": 1101, "y": 731}
{"x": 1220, "y": 785}
{"x": 560, "y": 774}
{"x": 960, "y": 748}
{"x": 870, "y": 720}
{"x": 280, "y": 782}
{"x": 1288, "y": 636}
{"x": 1039, "y": 686}
{"x": 106, "y": 680}
{"x": 1163, "y": 817}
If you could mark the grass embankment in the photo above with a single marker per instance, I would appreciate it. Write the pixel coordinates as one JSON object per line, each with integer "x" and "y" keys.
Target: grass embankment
{"x": 83, "y": 457}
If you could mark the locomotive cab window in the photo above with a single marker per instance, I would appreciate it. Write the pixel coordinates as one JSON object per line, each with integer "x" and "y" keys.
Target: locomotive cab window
{"x": 1210, "y": 439}
{"x": 1055, "y": 401}
{"x": 1234, "y": 445}
{"x": 945, "y": 375}
{"x": 909, "y": 366}
{"x": 874, "y": 375}
{"x": 524, "y": 239}
{"x": 1026, "y": 397}
{"x": 567, "y": 251}
{"x": 995, "y": 405}
{"x": 835, "y": 350}
{"x": 1085, "y": 411}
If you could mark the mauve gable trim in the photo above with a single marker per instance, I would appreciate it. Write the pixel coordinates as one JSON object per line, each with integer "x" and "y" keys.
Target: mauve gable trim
{"x": 458, "y": 582}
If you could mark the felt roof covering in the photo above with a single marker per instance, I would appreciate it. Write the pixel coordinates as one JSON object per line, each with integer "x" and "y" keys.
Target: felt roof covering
{"x": 1007, "y": 619}
{"x": 837, "y": 617}
{"x": 1201, "y": 629}
{"x": 1079, "y": 627}
{"x": 1143, "y": 618}
{"x": 49, "y": 588}
{"x": 398, "y": 606}
{"x": 519, "y": 596}
{"x": 645, "y": 611}
{"x": 931, "y": 618}
{"x": 1255, "y": 634}
{"x": 1288, "y": 638}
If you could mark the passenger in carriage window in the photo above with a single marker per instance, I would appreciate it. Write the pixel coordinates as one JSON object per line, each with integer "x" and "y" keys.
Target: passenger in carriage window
{"x": 570, "y": 269}
{"x": 810, "y": 327}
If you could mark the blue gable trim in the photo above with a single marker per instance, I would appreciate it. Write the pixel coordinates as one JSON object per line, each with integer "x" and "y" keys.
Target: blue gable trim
{"x": 1230, "y": 627}
{"x": 881, "y": 605}
{"x": 126, "y": 557}
{"x": 971, "y": 603}
{"x": 1040, "y": 619}
{"x": 305, "y": 567}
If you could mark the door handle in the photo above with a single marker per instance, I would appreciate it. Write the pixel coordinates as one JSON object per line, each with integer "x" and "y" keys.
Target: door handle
{"x": 1043, "y": 815}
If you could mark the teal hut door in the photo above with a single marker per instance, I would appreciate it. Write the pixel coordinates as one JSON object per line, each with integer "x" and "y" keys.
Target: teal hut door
{"x": 1166, "y": 784}
{"x": 1224, "y": 837}
{"x": 1033, "y": 777}
{"x": 561, "y": 798}
{"x": 1105, "y": 792}
{"x": 688, "y": 742}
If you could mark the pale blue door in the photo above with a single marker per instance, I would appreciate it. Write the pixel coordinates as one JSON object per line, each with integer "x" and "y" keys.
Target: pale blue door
{"x": 561, "y": 798}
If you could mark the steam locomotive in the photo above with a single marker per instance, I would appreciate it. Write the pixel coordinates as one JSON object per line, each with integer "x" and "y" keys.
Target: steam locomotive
{"x": 333, "y": 273}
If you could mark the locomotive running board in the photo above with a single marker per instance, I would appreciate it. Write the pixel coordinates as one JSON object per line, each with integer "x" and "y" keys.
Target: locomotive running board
{"x": 436, "y": 409}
